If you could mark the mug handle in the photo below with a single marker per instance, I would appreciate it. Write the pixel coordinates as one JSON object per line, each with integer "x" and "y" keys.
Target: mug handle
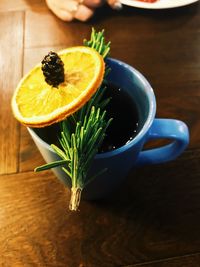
{"x": 172, "y": 129}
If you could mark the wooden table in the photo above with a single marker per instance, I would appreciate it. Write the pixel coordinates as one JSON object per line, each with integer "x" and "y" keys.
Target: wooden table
{"x": 154, "y": 219}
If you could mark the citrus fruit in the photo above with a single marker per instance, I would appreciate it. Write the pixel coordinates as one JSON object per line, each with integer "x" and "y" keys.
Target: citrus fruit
{"x": 35, "y": 103}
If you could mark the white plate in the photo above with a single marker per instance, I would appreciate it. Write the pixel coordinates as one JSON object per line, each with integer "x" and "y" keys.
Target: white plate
{"x": 160, "y": 4}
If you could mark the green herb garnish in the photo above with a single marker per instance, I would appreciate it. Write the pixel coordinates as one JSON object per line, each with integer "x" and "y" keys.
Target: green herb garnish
{"x": 83, "y": 132}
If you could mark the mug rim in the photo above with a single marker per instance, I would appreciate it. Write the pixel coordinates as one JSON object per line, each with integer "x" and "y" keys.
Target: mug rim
{"x": 152, "y": 111}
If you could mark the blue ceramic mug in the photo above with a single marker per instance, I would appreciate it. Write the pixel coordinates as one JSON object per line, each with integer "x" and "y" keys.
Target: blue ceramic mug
{"x": 121, "y": 160}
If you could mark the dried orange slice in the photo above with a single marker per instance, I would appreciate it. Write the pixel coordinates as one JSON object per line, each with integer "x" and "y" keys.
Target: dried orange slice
{"x": 37, "y": 104}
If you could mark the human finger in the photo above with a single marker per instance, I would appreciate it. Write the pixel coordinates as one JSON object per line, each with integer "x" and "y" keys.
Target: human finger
{"x": 83, "y": 13}
{"x": 93, "y": 3}
{"x": 68, "y": 5}
{"x": 115, "y": 4}
{"x": 60, "y": 13}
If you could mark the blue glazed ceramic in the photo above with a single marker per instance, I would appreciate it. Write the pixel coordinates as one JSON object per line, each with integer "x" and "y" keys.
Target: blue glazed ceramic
{"x": 120, "y": 161}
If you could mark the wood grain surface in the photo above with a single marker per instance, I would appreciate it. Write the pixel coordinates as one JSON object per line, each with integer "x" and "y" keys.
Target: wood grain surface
{"x": 148, "y": 219}
{"x": 153, "y": 219}
{"x": 10, "y": 5}
{"x": 11, "y": 51}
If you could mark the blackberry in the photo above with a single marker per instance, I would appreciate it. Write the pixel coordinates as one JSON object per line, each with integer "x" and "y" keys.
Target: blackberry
{"x": 53, "y": 69}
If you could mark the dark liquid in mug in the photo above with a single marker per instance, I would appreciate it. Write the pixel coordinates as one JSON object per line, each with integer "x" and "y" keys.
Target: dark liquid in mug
{"x": 123, "y": 128}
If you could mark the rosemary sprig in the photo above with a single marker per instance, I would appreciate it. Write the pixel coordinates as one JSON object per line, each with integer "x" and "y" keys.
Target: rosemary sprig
{"x": 83, "y": 132}
{"x": 97, "y": 41}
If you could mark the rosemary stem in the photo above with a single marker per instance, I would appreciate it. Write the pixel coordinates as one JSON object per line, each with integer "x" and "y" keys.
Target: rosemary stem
{"x": 75, "y": 198}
